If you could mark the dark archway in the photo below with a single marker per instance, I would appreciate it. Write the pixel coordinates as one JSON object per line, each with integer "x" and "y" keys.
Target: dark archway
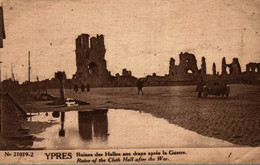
{"x": 93, "y": 69}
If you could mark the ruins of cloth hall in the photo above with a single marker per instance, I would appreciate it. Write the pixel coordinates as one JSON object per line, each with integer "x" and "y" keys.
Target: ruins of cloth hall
{"x": 187, "y": 72}
{"x": 90, "y": 61}
{"x": 92, "y": 68}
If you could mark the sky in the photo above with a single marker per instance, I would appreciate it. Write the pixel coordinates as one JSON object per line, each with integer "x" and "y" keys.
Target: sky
{"x": 140, "y": 35}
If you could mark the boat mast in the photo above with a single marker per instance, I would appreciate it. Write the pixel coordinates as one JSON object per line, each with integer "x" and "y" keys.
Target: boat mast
{"x": 29, "y": 67}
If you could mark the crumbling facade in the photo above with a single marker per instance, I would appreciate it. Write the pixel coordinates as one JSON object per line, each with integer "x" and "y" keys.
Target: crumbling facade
{"x": 90, "y": 61}
{"x": 252, "y": 73}
{"x": 234, "y": 67}
{"x": 253, "y": 68}
{"x": 188, "y": 65}
{"x": 186, "y": 73}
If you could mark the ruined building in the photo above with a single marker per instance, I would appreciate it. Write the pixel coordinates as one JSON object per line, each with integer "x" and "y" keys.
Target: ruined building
{"x": 90, "y": 61}
{"x": 126, "y": 73}
{"x": 252, "y": 73}
{"x": 188, "y": 65}
{"x": 125, "y": 80}
{"x": 234, "y": 67}
{"x": 253, "y": 68}
{"x": 185, "y": 73}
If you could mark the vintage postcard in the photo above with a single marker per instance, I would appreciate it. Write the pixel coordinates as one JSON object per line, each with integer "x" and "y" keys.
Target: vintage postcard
{"x": 130, "y": 81}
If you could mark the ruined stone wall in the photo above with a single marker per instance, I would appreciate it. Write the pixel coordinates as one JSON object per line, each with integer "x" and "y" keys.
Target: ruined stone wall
{"x": 188, "y": 62}
{"x": 188, "y": 65}
{"x": 234, "y": 67}
{"x": 253, "y": 67}
{"x": 224, "y": 66}
{"x": 214, "y": 68}
{"x": 172, "y": 67}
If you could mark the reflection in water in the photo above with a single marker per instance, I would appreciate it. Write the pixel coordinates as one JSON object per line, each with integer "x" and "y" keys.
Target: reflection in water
{"x": 93, "y": 123}
{"x": 62, "y": 131}
{"x": 126, "y": 128}
{"x": 85, "y": 125}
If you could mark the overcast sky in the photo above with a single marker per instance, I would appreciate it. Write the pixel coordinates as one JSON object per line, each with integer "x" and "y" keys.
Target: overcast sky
{"x": 140, "y": 35}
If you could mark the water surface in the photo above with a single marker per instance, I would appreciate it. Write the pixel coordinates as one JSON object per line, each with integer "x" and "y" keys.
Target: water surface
{"x": 117, "y": 129}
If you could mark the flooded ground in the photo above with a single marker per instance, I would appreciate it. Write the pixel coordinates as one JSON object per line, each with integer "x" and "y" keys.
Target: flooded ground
{"x": 116, "y": 129}
{"x": 235, "y": 119}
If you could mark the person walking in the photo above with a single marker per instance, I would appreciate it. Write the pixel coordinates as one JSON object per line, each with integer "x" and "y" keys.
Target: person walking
{"x": 88, "y": 87}
{"x": 140, "y": 85}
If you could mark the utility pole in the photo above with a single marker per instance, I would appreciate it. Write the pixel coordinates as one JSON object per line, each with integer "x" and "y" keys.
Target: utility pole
{"x": 29, "y": 67}
{"x": 0, "y": 87}
{"x": 0, "y": 72}
{"x": 12, "y": 72}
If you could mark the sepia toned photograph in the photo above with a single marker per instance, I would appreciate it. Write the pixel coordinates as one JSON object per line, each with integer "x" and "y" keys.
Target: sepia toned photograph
{"x": 87, "y": 75}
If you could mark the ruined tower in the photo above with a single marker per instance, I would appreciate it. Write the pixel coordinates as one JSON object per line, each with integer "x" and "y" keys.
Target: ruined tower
{"x": 224, "y": 65}
{"x": 90, "y": 61}
{"x": 188, "y": 62}
{"x": 171, "y": 67}
{"x": 234, "y": 67}
{"x": 203, "y": 66}
{"x": 187, "y": 66}
{"x": 214, "y": 68}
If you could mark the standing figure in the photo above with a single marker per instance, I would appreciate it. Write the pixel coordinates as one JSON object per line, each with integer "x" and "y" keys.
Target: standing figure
{"x": 140, "y": 85}
{"x": 76, "y": 88}
{"x": 82, "y": 87}
{"x": 88, "y": 87}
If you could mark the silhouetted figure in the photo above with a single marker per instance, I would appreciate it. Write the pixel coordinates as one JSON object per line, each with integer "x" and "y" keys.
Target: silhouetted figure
{"x": 88, "y": 87}
{"x": 82, "y": 87}
{"x": 76, "y": 88}
{"x": 140, "y": 85}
